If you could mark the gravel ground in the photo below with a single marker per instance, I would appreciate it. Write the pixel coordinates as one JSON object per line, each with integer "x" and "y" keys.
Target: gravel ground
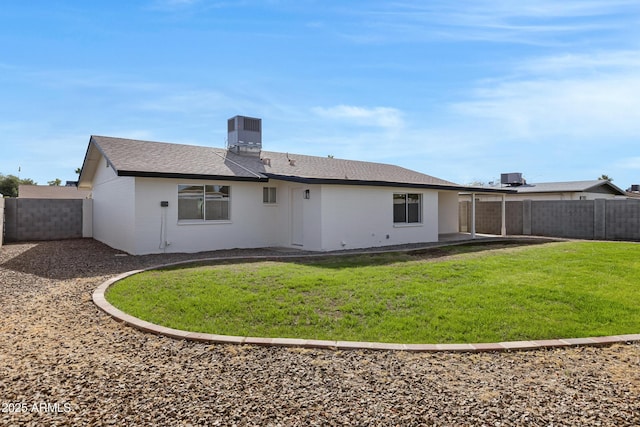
{"x": 64, "y": 362}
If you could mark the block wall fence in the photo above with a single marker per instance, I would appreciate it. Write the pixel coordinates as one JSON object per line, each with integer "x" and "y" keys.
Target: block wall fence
{"x": 600, "y": 219}
{"x": 1, "y": 220}
{"x": 46, "y": 219}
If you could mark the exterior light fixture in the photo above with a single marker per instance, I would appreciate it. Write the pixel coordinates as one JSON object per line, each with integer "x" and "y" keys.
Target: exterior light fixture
{"x": 306, "y": 194}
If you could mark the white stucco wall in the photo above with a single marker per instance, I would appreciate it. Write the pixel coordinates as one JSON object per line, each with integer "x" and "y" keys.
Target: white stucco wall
{"x": 362, "y": 216}
{"x": 312, "y": 226}
{"x": 252, "y": 223}
{"x": 333, "y": 217}
{"x": 448, "y": 216}
{"x": 87, "y": 217}
{"x": 113, "y": 213}
{"x": 128, "y": 215}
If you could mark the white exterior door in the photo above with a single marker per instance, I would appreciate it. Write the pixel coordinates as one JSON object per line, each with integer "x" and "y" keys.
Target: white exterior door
{"x": 297, "y": 221}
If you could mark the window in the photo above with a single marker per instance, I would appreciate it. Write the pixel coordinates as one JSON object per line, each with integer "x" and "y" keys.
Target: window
{"x": 203, "y": 202}
{"x": 407, "y": 208}
{"x": 269, "y": 195}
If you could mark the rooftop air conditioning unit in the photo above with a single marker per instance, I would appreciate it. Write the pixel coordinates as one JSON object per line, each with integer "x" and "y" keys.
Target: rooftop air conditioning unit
{"x": 512, "y": 179}
{"x": 244, "y": 135}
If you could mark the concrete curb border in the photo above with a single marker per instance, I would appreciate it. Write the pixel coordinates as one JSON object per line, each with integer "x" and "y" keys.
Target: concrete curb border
{"x": 100, "y": 301}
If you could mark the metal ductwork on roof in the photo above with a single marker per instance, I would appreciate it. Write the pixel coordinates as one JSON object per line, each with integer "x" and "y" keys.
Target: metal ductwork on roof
{"x": 244, "y": 135}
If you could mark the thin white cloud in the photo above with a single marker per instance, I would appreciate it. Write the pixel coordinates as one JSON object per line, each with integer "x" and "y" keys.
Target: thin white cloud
{"x": 191, "y": 6}
{"x": 629, "y": 163}
{"x": 172, "y": 4}
{"x": 586, "y": 96}
{"x": 88, "y": 79}
{"x": 535, "y": 22}
{"x": 189, "y": 101}
{"x": 581, "y": 63}
{"x": 383, "y": 117}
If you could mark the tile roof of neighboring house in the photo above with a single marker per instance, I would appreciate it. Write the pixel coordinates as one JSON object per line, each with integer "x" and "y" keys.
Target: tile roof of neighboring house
{"x": 595, "y": 186}
{"x": 50, "y": 192}
{"x": 158, "y": 159}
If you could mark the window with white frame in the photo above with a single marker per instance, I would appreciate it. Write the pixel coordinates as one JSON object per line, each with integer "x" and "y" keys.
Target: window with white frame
{"x": 203, "y": 202}
{"x": 269, "y": 195}
{"x": 407, "y": 208}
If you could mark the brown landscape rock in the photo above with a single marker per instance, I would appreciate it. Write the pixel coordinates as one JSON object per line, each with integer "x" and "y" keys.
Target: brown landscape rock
{"x": 65, "y": 362}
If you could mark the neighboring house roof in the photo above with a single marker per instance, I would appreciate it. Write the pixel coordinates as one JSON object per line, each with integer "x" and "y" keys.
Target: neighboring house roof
{"x": 50, "y": 192}
{"x": 593, "y": 186}
{"x": 158, "y": 159}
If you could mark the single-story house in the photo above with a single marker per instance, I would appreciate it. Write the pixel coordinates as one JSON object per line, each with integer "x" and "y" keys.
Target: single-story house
{"x": 151, "y": 197}
{"x": 570, "y": 190}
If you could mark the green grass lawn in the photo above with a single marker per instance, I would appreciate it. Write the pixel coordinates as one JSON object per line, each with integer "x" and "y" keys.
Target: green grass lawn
{"x": 469, "y": 293}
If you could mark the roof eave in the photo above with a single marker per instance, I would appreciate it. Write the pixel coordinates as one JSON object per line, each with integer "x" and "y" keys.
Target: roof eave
{"x": 172, "y": 175}
{"x": 90, "y": 164}
{"x": 334, "y": 181}
{"x": 614, "y": 187}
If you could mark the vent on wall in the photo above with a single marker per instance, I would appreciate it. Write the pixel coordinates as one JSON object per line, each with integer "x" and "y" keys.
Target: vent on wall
{"x": 244, "y": 135}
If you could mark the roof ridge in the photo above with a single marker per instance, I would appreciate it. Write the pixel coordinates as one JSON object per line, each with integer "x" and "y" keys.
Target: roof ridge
{"x": 159, "y": 142}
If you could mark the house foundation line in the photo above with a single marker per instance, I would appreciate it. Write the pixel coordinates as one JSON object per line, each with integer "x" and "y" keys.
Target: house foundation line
{"x": 101, "y": 302}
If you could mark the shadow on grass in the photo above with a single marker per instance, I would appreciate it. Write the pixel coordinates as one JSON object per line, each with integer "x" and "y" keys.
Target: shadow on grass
{"x": 78, "y": 258}
{"x": 377, "y": 257}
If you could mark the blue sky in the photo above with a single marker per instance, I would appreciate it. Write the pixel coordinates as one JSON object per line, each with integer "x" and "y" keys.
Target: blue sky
{"x": 462, "y": 90}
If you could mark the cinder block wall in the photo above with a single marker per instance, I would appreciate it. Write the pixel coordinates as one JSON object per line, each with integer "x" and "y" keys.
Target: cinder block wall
{"x": 1, "y": 220}
{"x": 563, "y": 218}
{"x": 43, "y": 219}
{"x": 622, "y": 220}
{"x": 579, "y": 219}
{"x": 489, "y": 217}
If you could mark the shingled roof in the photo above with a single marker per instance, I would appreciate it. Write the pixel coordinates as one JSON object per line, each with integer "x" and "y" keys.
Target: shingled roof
{"x": 593, "y": 186}
{"x": 130, "y": 157}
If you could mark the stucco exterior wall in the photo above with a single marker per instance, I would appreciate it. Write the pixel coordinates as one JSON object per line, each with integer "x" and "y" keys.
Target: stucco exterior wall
{"x": 311, "y": 215}
{"x": 157, "y": 229}
{"x": 360, "y": 217}
{"x": 128, "y": 215}
{"x": 87, "y": 218}
{"x": 448, "y": 212}
{"x": 113, "y": 213}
